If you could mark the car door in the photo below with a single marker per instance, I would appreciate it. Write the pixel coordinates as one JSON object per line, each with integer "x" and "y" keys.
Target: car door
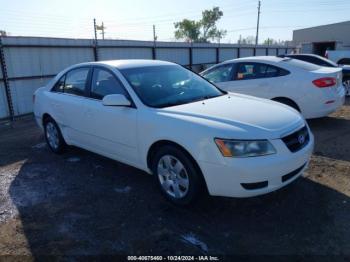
{"x": 69, "y": 104}
{"x": 253, "y": 79}
{"x": 112, "y": 128}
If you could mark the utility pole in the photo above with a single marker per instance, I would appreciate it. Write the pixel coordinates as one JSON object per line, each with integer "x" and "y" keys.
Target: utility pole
{"x": 103, "y": 31}
{"x": 100, "y": 28}
{"x": 154, "y": 55}
{"x": 257, "y": 25}
{"x": 95, "y": 41}
{"x": 154, "y": 35}
{"x": 95, "y": 30}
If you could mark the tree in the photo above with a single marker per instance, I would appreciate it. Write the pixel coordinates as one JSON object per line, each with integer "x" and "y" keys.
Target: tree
{"x": 3, "y": 33}
{"x": 249, "y": 40}
{"x": 202, "y": 30}
{"x": 188, "y": 30}
{"x": 271, "y": 41}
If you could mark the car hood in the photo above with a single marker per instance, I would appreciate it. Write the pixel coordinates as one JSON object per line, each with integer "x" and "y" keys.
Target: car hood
{"x": 245, "y": 116}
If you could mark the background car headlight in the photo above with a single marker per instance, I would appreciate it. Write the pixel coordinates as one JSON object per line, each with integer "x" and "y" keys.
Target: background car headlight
{"x": 244, "y": 148}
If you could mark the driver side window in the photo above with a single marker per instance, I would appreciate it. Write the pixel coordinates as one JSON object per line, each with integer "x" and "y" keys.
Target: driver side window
{"x": 220, "y": 74}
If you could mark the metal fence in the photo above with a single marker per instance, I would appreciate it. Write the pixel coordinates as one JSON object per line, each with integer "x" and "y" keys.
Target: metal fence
{"x": 28, "y": 63}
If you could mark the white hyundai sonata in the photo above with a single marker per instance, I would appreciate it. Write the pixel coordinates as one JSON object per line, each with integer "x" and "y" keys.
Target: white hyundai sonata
{"x": 168, "y": 121}
{"x": 313, "y": 90}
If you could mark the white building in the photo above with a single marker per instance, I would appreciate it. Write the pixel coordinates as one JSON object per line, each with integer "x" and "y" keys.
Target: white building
{"x": 320, "y": 38}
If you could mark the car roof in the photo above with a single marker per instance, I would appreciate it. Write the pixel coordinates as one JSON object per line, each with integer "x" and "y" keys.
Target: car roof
{"x": 295, "y": 55}
{"x": 274, "y": 59}
{"x": 313, "y": 55}
{"x": 129, "y": 63}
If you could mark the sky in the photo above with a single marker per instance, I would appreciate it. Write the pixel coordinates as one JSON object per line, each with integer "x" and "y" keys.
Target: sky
{"x": 133, "y": 19}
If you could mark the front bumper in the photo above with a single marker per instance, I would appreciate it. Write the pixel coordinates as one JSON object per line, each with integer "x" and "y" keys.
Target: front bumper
{"x": 247, "y": 177}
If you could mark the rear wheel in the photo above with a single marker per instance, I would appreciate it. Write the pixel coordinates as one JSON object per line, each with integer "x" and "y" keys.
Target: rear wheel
{"x": 287, "y": 102}
{"x": 346, "y": 83}
{"x": 177, "y": 176}
{"x": 53, "y": 136}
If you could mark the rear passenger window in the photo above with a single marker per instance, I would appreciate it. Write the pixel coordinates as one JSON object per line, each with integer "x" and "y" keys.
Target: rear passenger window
{"x": 257, "y": 70}
{"x": 76, "y": 81}
{"x": 59, "y": 86}
{"x": 283, "y": 72}
{"x": 250, "y": 71}
{"x": 105, "y": 83}
{"x": 271, "y": 71}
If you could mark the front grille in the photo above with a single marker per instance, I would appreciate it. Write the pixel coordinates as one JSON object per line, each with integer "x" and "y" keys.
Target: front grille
{"x": 297, "y": 140}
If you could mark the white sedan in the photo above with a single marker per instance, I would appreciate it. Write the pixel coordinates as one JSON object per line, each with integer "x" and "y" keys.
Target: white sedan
{"x": 313, "y": 90}
{"x": 168, "y": 121}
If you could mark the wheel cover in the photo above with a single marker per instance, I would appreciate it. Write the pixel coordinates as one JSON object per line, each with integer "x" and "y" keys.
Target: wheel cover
{"x": 52, "y": 135}
{"x": 173, "y": 176}
{"x": 346, "y": 84}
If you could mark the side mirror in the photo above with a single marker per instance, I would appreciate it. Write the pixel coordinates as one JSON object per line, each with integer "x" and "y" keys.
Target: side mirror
{"x": 115, "y": 100}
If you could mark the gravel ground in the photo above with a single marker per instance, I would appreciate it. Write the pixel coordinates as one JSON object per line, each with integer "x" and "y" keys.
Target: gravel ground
{"x": 80, "y": 203}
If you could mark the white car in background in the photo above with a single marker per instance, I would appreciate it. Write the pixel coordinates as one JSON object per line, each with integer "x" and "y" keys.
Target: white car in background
{"x": 340, "y": 57}
{"x": 170, "y": 122}
{"x": 312, "y": 90}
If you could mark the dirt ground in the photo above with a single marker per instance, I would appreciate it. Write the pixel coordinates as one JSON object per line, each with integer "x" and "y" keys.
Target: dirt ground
{"x": 80, "y": 203}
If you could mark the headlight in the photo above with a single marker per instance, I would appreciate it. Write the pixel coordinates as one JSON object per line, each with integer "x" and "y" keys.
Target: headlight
{"x": 244, "y": 148}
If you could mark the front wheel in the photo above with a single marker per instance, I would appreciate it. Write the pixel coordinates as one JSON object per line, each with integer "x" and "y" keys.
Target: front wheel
{"x": 176, "y": 174}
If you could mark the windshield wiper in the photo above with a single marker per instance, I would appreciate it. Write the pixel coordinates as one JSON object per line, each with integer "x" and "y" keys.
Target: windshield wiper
{"x": 173, "y": 103}
{"x": 203, "y": 98}
{"x": 181, "y": 102}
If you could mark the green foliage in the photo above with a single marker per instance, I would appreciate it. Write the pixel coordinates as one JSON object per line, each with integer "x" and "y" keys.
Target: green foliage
{"x": 202, "y": 30}
{"x": 271, "y": 41}
{"x": 249, "y": 40}
{"x": 188, "y": 30}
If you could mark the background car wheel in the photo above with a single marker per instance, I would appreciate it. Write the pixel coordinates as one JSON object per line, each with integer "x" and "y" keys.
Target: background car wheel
{"x": 346, "y": 83}
{"x": 287, "y": 102}
{"x": 53, "y": 136}
{"x": 179, "y": 179}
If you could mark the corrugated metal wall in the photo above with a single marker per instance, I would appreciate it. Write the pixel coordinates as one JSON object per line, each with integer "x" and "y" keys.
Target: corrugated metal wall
{"x": 176, "y": 55}
{"x": 32, "y": 61}
{"x": 227, "y": 53}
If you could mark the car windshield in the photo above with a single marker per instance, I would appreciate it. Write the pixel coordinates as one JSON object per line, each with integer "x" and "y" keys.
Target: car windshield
{"x": 169, "y": 85}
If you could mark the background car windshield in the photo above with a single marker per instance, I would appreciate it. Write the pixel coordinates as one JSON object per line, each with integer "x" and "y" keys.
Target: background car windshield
{"x": 162, "y": 86}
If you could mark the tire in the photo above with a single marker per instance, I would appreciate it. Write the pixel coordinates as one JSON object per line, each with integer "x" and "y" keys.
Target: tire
{"x": 177, "y": 176}
{"x": 53, "y": 136}
{"x": 346, "y": 84}
{"x": 287, "y": 102}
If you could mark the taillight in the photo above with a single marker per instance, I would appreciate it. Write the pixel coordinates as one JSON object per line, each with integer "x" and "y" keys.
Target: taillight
{"x": 325, "y": 82}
